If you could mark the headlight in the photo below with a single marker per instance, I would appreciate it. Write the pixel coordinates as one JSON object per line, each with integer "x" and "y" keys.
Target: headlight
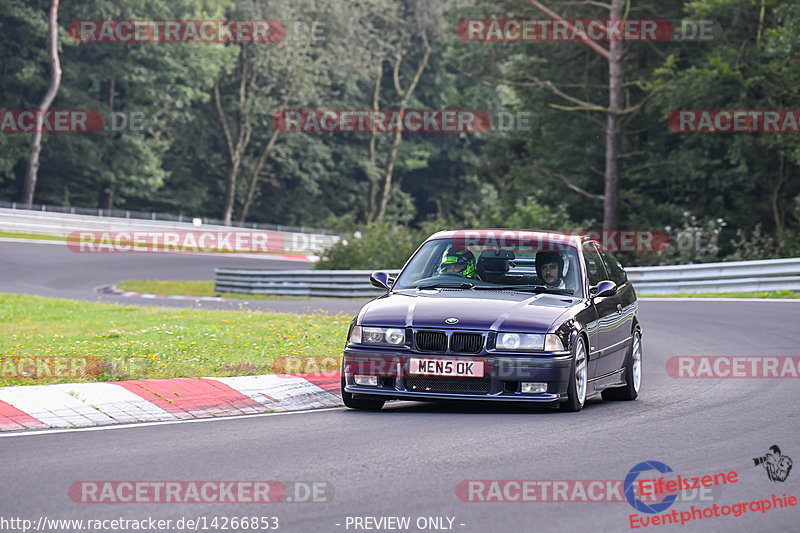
{"x": 529, "y": 342}
{"x": 520, "y": 341}
{"x": 370, "y": 335}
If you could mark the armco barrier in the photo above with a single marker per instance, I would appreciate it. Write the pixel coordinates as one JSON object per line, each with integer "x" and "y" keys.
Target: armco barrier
{"x": 62, "y": 224}
{"x": 734, "y": 276}
{"x": 312, "y": 283}
{"x": 150, "y": 215}
{"x": 738, "y": 276}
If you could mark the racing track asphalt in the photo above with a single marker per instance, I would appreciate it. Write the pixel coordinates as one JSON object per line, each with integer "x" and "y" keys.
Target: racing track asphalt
{"x": 408, "y": 459}
{"x": 52, "y": 270}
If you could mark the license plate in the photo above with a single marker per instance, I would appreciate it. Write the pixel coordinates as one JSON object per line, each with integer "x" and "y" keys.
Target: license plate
{"x": 446, "y": 367}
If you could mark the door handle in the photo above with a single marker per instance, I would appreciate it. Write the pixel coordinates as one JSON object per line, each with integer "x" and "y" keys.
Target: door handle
{"x": 619, "y": 308}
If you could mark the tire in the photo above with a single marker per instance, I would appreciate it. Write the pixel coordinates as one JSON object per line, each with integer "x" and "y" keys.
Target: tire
{"x": 578, "y": 379}
{"x": 633, "y": 373}
{"x": 362, "y": 404}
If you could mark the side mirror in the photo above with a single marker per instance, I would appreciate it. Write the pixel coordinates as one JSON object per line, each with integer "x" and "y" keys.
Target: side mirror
{"x": 604, "y": 288}
{"x": 380, "y": 280}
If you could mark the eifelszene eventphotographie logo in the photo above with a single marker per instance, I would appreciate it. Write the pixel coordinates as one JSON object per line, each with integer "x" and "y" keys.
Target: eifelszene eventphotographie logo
{"x": 777, "y": 466}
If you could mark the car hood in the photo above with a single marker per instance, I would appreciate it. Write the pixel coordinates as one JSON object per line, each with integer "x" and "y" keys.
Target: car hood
{"x": 475, "y": 310}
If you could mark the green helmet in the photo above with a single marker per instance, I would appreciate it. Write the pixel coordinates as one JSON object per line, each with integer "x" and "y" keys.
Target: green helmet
{"x": 464, "y": 262}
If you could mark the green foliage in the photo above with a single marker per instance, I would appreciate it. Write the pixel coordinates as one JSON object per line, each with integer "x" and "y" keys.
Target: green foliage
{"x": 389, "y": 246}
{"x": 377, "y": 246}
{"x": 528, "y": 213}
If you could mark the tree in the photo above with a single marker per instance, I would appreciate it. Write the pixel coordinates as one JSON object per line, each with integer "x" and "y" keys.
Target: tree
{"x": 156, "y": 83}
{"x": 613, "y": 55}
{"x": 32, "y": 174}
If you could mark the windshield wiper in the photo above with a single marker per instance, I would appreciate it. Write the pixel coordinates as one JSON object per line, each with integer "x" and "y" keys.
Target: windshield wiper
{"x": 525, "y": 288}
{"x": 464, "y": 285}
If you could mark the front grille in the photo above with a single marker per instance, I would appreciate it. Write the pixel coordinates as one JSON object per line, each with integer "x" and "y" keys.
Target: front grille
{"x": 431, "y": 341}
{"x": 466, "y": 342}
{"x": 449, "y": 385}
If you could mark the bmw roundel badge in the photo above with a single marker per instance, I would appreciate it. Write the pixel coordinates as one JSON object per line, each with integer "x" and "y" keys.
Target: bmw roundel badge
{"x": 451, "y": 320}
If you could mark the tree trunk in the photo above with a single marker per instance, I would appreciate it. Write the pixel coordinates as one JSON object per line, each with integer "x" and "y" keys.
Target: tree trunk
{"x": 110, "y": 196}
{"x": 111, "y": 185}
{"x": 777, "y": 213}
{"x": 252, "y": 186}
{"x": 387, "y": 179}
{"x": 32, "y": 174}
{"x": 404, "y": 95}
{"x": 235, "y": 149}
{"x": 611, "y": 195}
{"x": 372, "y": 207}
{"x": 230, "y": 191}
{"x": 613, "y": 134}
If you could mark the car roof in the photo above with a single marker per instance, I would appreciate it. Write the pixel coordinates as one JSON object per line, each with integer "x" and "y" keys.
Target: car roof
{"x": 574, "y": 238}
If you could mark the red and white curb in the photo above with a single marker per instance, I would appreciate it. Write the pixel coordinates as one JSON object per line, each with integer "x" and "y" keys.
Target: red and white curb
{"x": 148, "y": 400}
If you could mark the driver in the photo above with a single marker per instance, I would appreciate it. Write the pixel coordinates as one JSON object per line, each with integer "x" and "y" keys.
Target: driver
{"x": 456, "y": 262}
{"x": 549, "y": 266}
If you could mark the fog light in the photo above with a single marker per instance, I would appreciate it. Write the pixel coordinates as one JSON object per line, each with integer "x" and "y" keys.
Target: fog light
{"x": 369, "y": 381}
{"x": 534, "y": 387}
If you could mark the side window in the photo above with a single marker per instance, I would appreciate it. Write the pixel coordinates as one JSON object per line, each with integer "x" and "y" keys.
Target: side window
{"x": 594, "y": 265}
{"x": 614, "y": 267}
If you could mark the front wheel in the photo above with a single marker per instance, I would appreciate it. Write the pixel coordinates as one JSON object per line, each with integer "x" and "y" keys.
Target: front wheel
{"x": 576, "y": 390}
{"x": 361, "y": 404}
{"x": 633, "y": 373}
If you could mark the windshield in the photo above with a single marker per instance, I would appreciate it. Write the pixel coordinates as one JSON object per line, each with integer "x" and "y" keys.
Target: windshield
{"x": 445, "y": 263}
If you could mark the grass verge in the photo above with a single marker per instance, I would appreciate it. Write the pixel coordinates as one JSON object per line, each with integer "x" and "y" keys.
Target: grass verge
{"x": 189, "y": 288}
{"x": 34, "y": 236}
{"x": 48, "y": 340}
{"x": 199, "y": 288}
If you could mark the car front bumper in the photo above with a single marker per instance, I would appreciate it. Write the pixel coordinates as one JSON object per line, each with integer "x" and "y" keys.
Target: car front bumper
{"x": 503, "y": 375}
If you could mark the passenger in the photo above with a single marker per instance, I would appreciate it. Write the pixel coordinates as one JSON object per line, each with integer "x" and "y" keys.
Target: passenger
{"x": 549, "y": 267}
